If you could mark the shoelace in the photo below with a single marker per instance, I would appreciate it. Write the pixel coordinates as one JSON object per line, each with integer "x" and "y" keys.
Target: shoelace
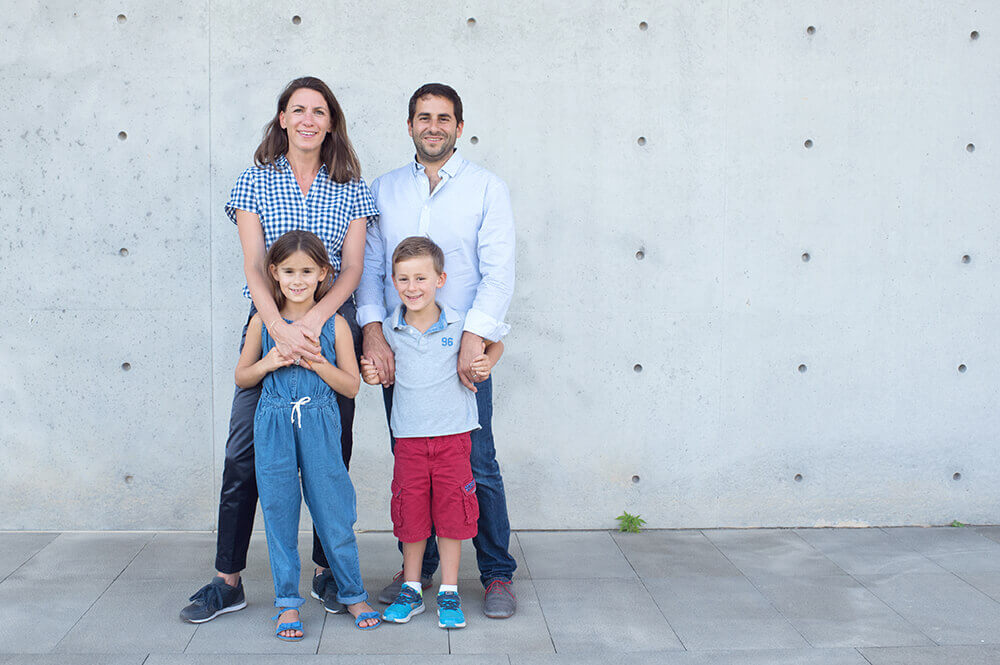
{"x": 209, "y": 593}
{"x": 500, "y": 586}
{"x": 448, "y": 601}
{"x": 407, "y": 596}
{"x": 297, "y": 409}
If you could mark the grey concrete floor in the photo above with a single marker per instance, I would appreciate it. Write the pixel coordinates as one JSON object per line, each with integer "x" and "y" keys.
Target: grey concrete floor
{"x": 913, "y": 596}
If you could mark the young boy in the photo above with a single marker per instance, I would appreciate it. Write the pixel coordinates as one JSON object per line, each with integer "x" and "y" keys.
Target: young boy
{"x": 432, "y": 415}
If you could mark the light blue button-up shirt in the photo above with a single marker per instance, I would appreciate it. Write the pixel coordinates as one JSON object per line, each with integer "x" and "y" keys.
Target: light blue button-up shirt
{"x": 469, "y": 216}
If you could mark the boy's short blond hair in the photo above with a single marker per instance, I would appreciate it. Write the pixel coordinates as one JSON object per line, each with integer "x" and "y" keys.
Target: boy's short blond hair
{"x": 414, "y": 246}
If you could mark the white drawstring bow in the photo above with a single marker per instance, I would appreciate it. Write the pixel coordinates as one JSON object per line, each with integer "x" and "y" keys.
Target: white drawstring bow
{"x": 297, "y": 409}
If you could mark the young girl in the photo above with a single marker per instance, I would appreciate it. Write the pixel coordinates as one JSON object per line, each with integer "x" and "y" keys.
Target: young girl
{"x": 297, "y": 428}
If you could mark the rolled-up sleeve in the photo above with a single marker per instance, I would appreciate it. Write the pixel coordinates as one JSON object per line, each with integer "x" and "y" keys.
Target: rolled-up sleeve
{"x": 496, "y": 247}
{"x": 370, "y": 296}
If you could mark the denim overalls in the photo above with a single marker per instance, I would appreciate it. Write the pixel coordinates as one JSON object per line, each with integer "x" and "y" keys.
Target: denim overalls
{"x": 297, "y": 427}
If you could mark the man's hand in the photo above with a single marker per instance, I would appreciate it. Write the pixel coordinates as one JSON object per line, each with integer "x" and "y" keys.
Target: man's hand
{"x": 293, "y": 343}
{"x": 377, "y": 351}
{"x": 472, "y": 346}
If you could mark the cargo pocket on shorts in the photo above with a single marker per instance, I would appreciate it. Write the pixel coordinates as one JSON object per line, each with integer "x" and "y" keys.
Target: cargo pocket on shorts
{"x": 396, "y": 506}
{"x": 470, "y": 503}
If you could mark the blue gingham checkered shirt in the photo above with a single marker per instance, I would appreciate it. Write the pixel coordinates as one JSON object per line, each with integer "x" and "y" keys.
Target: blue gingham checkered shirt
{"x": 272, "y": 193}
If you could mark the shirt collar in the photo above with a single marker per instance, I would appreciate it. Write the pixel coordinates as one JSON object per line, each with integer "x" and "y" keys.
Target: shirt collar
{"x": 448, "y": 316}
{"x": 451, "y": 167}
{"x": 282, "y": 164}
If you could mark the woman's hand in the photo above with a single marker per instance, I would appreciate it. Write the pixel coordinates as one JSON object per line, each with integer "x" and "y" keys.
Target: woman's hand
{"x": 293, "y": 343}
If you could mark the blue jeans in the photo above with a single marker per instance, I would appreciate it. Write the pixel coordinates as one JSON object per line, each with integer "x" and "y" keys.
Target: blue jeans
{"x": 311, "y": 445}
{"x": 493, "y": 542}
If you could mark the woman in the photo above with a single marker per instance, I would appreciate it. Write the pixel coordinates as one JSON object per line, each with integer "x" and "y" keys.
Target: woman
{"x": 306, "y": 176}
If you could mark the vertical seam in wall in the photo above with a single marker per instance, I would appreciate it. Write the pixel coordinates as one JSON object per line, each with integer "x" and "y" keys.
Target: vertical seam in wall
{"x": 211, "y": 274}
{"x": 725, "y": 224}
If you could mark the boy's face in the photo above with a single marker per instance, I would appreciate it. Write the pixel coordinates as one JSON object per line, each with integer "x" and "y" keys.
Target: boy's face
{"x": 417, "y": 282}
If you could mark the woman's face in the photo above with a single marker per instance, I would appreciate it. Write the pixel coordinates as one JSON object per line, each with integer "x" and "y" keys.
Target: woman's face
{"x": 306, "y": 119}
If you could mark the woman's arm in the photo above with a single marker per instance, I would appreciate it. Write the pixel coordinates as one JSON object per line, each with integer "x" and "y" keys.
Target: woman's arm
{"x": 290, "y": 341}
{"x": 352, "y": 261}
{"x": 251, "y": 368}
{"x": 344, "y": 376}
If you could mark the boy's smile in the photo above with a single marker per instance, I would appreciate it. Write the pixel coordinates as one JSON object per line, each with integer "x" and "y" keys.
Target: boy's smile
{"x": 417, "y": 282}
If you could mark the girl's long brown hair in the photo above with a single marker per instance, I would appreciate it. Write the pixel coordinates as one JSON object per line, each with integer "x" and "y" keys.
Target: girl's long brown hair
{"x": 336, "y": 153}
{"x": 299, "y": 241}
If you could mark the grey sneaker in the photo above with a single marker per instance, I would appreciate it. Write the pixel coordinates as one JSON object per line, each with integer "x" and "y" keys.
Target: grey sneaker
{"x": 387, "y": 596}
{"x": 325, "y": 591}
{"x": 213, "y": 599}
{"x": 500, "y": 602}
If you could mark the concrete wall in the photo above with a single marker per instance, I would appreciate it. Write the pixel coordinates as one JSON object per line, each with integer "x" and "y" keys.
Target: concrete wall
{"x": 672, "y": 164}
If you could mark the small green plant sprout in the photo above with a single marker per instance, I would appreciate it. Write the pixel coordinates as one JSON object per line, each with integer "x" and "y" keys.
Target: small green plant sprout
{"x": 629, "y": 523}
{"x": 957, "y": 523}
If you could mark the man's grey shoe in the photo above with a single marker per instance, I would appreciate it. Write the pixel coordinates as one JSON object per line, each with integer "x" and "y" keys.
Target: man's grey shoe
{"x": 387, "y": 596}
{"x": 213, "y": 599}
{"x": 500, "y": 601}
{"x": 325, "y": 591}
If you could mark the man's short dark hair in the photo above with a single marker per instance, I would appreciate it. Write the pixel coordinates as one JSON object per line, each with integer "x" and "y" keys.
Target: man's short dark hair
{"x": 437, "y": 90}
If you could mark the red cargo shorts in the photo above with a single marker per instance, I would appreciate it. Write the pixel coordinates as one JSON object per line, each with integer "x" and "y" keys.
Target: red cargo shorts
{"x": 432, "y": 484}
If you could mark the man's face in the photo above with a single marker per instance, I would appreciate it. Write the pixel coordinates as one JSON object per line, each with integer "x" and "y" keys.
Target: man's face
{"x": 434, "y": 129}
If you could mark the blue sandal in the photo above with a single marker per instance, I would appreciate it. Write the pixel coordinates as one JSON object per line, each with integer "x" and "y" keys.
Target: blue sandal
{"x": 294, "y": 625}
{"x": 368, "y": 615}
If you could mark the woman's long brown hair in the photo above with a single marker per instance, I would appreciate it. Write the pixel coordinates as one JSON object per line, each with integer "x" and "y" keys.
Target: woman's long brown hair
{"x": 336, "y": 153}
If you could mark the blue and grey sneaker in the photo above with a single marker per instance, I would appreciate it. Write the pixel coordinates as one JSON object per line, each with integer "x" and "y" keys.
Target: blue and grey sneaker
{"x": 213, "y": 599}
{"x": 450, "y": 610}
{"x": 407, "y": 604}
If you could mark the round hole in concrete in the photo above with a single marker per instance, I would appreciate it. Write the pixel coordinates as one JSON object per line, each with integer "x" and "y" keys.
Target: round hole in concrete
{"x": 966, "y": 258}
{"x": 123, "y": 251}
{"x": 971, "y": 147}
{"x": 811, "y": 30}
{"x": 635, "y": 479}
{"x": 962, "y": 368}
{"x": 637, "y": 368}
{"x": 643, "y": 25}
{"x": 802, "y": 369}
{"x": 122, "y": 18}
{"x": 296, "y": 20}
{"x": 640, "y": 255}
{"x": 956, "y": 476}
{"x": 129, "y": 478}
{"x": 805, "y": 257}
{"x": 641, "y": 140}
{"x": 471, "y": 22}
{"x": 122, "y": 136}
{"x": 798, "y": 477}
{"x": 808, "y": 143}
{"x": 474, "y": 140}
{"x": 974, "y": 34}
{"x": 126, "y": 367}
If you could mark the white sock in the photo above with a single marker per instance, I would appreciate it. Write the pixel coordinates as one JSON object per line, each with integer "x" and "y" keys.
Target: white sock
{"x": 445, "y": 588}
{"x": 416, "y": 586}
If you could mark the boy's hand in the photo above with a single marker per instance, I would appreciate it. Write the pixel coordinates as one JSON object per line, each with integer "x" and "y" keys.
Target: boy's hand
{"x": 368, "y": 371}
{"x": 481, "y": 366}
{"x": 275, "y": 360}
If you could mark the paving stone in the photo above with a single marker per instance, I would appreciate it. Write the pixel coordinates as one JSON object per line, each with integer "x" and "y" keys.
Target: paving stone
{"x": 143, "y": 615}
{"x": 16, "y": 548}
{"x": 722, "y": 613}
{"x": 738, "y": 657}
{"x": 170, "y": 556}
{"x": 770, "y": 552}
{"x": 35, "y": 614}
{"x": 322, "y": 659}
{"x": 525, "y": 632}
{"x": 985, "y": 561}
{"x": 945, "y": 608}
{"x": 94, "y": 555}
{"x": 601, "y": 615}
{"x": 991, "y": 532}
{"x": 73, "y": 659}
{"x": 251, "y": 631}
{"x": 963, "y": 655}
{"x": 574, "y": 555}
{"x": 867, "y": 551}
{"x": 674, "y": 554}
{"x": 837, "y": 611}
{"x": 988, "y": 583}
{"x": 940, "y": 541}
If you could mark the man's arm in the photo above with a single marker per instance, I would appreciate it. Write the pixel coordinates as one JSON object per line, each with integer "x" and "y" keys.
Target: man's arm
{"x": 371, "y": 302}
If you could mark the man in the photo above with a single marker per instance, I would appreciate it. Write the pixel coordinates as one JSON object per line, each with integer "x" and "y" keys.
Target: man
{"x": 466, "y": 210}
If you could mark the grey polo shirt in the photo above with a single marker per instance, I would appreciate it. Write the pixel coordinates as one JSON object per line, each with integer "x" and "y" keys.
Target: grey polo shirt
{"x": 428, "y": 399}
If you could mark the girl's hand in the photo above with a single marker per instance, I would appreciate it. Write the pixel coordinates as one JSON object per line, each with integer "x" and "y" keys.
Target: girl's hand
{"x": 309, "y": 364}
{"x": 481, "y": 366}
{"x": 275, "y": 360}
{"x": 368, "y": 371}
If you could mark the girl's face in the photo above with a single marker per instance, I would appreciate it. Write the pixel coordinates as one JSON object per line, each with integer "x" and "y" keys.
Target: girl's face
{"x": 298, "y": 276}
{"x": 306, "y": 119}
